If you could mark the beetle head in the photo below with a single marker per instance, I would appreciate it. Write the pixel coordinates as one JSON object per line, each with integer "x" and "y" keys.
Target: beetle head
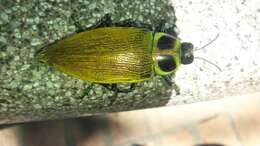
{"x": 186, "y": 52}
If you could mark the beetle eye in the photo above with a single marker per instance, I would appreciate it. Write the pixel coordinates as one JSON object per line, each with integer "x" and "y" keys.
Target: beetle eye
{"x": 166, "y": 63}
{"x": 166, "y": 42}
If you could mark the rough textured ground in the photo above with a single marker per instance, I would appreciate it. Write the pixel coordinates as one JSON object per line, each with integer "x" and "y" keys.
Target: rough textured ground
{"x": 236, "y": 51}
{"x": 32, "y": 91}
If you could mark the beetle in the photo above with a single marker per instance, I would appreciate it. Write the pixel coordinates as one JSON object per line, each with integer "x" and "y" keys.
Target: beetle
{"x": 124, "y": 52}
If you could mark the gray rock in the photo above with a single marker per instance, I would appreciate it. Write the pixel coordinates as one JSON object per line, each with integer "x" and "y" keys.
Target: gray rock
{"x": 44, "y": 92}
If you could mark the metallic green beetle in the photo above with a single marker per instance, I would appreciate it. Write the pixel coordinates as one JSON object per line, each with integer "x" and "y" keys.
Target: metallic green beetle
{"x": 111, "y": 53}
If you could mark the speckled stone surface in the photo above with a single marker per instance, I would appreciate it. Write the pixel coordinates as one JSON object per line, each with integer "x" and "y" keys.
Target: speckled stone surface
{"x": 30, "y": 90}
{"x": 236, "y": 51}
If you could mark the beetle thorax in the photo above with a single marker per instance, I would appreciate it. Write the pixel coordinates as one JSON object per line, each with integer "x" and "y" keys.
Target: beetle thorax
{"x": 166, "y": 53}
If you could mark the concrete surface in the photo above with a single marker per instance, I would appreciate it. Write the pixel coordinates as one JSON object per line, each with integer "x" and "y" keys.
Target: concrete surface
{"x": 236, "y": 51}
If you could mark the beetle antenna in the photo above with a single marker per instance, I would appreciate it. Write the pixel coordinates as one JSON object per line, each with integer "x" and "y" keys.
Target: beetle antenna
{"x": 208, "y": 43}
{"x": 208, "y": 62}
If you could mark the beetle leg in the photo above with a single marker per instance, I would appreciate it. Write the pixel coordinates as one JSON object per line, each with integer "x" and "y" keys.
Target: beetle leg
{"x": 169, "y": 82}
{"x": 161, "y": 28}
{"x": 113, "y": 98}
{"x": 132, "y": 88}
{"x": 77, "y": 24}
{"x": 107, "y": 86}
{"x": 105, "y": 21}
{"x": 131, "y": 23}
{"x": 114, "y": 87}
{"x": 176, "y": 88}
{"x": 171, "y": 32}
{"x": 86, "y": 91}
{"x": 111, "y": 87}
